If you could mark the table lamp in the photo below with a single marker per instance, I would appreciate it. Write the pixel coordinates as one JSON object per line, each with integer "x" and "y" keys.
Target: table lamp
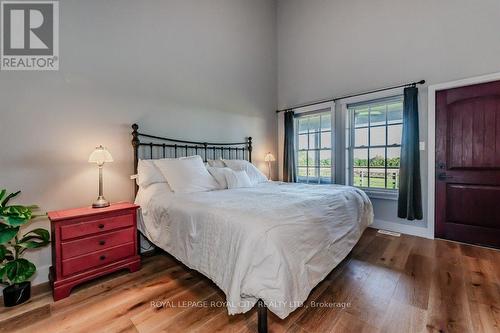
{"x": 269, "y": 158}
{"x": 100, "y": 156}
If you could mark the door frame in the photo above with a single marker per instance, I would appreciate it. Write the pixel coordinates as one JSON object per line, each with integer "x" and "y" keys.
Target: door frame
{"x": 431, "y": 138}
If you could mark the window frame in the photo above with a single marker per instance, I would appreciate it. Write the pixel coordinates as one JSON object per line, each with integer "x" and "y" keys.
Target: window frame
{"x": 382, "y": 193}
{"x": 318, "y": 109}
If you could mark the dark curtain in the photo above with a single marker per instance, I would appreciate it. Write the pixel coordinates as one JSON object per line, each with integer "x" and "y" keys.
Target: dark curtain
{"x": 410, "y": 191}
{"x": 289, "y": 150}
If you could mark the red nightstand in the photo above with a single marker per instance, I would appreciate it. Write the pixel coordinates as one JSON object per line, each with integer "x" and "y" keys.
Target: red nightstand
{"x": 90, "y": 242}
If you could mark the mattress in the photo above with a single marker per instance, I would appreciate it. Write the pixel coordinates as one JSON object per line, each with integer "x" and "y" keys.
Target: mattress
{"x": 275, "y": 241}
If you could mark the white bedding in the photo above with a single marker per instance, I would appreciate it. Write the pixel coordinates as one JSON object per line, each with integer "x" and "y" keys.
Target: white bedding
{"x": 275, "y": 241}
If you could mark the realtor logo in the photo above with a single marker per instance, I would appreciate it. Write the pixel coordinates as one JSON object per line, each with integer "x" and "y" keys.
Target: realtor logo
{"x": 29, "y": 35}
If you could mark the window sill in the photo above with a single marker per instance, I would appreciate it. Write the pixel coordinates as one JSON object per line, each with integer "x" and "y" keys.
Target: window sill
{"x": 380, "y": 194}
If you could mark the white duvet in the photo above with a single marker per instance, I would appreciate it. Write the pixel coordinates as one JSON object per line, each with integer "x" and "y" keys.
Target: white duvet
{"x": 275, "y": 241}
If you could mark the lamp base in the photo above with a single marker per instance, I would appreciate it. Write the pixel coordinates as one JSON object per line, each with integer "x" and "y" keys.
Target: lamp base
{"x": 100, "y": 203}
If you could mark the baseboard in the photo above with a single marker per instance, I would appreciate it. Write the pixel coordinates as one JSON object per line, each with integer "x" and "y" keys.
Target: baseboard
{"x": 402, "y": 228}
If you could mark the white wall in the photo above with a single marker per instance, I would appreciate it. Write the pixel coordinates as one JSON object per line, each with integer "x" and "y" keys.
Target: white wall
{"x": 336, "y": 47}
{"x": 200, "y": 70}
{"x": 207, "y": 70}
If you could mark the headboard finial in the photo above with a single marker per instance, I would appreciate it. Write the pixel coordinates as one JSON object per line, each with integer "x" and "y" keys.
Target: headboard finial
{"x": 250, "y": 149}
{"x": 135, "y": 135}
{"x": 135, "y": 143}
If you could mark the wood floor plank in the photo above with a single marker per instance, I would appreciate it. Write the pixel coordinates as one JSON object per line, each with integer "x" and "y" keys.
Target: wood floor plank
{"x": 112, "y": 305}
{"x": 121, "y": 325}
{"x": 448, "y": 304}
{"x": 320, "y": 319}
{"x": 352, "y": 324}
{"x": 449, "y": 253}
{"x": 374, "y": 296}
{"x": 34, "y": 315}
{"x": 324, "y": 312}
{"x": 414, "y": 283}
{"x": 277, "y": 325}
{"x": 485, "y": 318}
{"x": 194, "y": 317}
{"x": 34, "y": 303}
{"x": 222, "y": 322}
{"x": 374, "y": 250}
{"x": 366, "y": 239}
{"x": 396, "y": 253}
{"x": 448, "y": 309}
{"x": 295, "y": 329}
{"x": 387, "y": 284}
{"x": 480, "y": 281}
{"x": 152, "y": 319}
{"x": 401, "y": 317}
{"x": 494, "y": 260}
{"x": 138, "y": 300}
{"x": 422, "y": 246}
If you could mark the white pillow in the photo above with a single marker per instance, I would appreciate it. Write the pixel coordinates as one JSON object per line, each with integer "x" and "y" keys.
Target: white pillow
{"x": 218, "y": 174}
{"x": 237, "y": 179}
{"x": 148, "y": 174}
{"x": 187, "y": 175}
{"x": 216, "y": 163}
{"x": 255, "y": 175}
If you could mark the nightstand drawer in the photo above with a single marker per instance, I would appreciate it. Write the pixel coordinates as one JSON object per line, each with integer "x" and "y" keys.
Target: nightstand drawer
{"x": 96, "y": 226}
{"x": 95, "y": 259}
{"x": 74, "y": 248}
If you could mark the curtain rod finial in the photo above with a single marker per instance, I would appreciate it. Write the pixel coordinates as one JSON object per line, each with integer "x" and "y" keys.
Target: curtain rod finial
{"x": 421, "y": 82}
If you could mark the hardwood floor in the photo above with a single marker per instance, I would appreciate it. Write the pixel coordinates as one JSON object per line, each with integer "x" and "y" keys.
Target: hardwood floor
{"x": 387, "y": 284}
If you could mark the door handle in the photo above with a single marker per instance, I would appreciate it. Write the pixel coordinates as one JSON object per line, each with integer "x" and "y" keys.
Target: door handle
{"x": 443, "y": 176}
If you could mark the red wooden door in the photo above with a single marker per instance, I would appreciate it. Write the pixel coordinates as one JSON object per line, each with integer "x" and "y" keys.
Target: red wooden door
{"x": 468, "y": 164}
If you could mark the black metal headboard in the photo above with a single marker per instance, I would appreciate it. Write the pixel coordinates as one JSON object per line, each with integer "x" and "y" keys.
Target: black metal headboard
{"x": 160, "y": 147}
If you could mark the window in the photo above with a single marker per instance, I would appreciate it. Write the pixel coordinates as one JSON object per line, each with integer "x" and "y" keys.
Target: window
{"x": 314, "y": 147}
{"x": 375, "y": 143}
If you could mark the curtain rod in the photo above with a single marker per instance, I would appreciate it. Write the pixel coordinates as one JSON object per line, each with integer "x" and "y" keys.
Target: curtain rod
{"x": 412, "y": 84}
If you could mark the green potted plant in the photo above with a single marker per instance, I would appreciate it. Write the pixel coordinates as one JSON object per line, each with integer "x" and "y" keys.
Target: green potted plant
{"x": 15, "y": 271}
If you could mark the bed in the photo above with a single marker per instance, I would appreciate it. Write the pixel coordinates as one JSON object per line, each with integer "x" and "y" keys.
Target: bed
{"x": 269, "y": 244}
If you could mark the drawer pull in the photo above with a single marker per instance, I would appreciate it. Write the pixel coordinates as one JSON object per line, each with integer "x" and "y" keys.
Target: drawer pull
{"x": 101, "y": 226}
{"x": 102, "y": 257}
{"x": 102, "y": 242}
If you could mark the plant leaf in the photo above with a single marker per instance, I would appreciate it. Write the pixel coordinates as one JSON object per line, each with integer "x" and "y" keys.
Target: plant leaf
{"x": 3, "y": 270}
{"x": 7, "y": 233}
{"x": 2, "y": 194}
{"x": 19, "y": 270}
{"x": 17, "y": 210}
{"x": 5, "y": 254}
{"x": 38, "y": 233}
{"x": 10, "y": 196}
{"x": 8, "y": 255}
{"x": 33, "y": 244}
{"x": 15, "y": 221}
{"x": 34, "y": 239}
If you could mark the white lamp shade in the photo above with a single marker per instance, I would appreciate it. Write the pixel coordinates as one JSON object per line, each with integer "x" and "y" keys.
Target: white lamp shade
{"x": 100, "y": 156}
{"x": 269, "y": 158}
